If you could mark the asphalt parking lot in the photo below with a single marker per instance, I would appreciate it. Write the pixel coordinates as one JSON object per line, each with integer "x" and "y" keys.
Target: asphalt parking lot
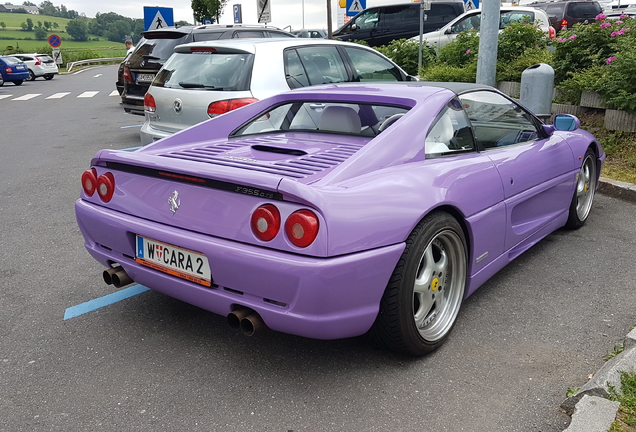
{"x": 149, "y": 362}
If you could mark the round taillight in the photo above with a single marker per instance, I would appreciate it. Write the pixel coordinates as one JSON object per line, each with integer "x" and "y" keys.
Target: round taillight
{"x": 265, "y": 222}
{"x": 89, "y": 181}
{"x": 149, "y": 103}
{"x": 301, "y": 228}
{"x": 221, "y": 107}
{"x": 106, "y": 186}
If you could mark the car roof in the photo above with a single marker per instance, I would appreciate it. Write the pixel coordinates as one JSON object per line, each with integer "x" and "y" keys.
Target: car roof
{"x": 251, "y": 44}
{"x": 206, "y": 28}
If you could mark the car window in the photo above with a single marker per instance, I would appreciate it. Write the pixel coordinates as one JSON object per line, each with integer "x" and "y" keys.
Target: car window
{"x": 295, "y": 72}
{"x": 11, "y": 60}
{"x": 497, "y": 121}
{"x": 317, "y": 116}
{"x": 198, "y": 37}
{"x": 248, "y": 34}
{"x": 471, "y": 22}
{"x": 523, "y": 17}
{"x": 156, "y": 49}
{"x": 368, "y": 19}
{"x": 277, "y": 34}
{"x": 583, "y": 10}
{"x": 451, "y": 133}
{"x": 322, "y": 64}
{"x": 398, "y": 16}
{"x": 370, "y": 66}
{"x": 554, "y": 11}
{"x": 206, "y": 71}
{"x": 440, "y": 14}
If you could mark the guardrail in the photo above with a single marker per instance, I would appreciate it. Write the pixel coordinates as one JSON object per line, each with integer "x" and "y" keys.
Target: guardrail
{"x": 71, "y": 65}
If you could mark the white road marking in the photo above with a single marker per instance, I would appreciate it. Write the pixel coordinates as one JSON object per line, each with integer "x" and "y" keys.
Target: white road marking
{"x": 114, "y": 93}
{"x": 58, "y": 95}
{"x": 97, "y": 76}
{"x": 88, "y": 94}
{"x": 5, "y": 96}
{"x": 27, "y": 96}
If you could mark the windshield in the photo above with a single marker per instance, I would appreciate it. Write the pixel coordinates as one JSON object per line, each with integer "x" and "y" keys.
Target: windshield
{"x": 313, "y": 116}
{"x": 206, "y": 71}
{"x": 157, "y": 49}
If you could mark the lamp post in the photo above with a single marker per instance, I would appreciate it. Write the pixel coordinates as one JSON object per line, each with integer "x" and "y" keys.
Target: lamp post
{"x": 303, "y": 12}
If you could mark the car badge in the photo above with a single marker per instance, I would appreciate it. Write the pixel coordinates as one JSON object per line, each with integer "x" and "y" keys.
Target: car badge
{"x": 177, "y": 105}
{"x": 143, "y": 63}
{"x": 174, "y": 202}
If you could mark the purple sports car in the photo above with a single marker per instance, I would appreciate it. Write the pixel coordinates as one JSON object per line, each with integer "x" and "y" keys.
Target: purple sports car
{"x": 337, "y": 210}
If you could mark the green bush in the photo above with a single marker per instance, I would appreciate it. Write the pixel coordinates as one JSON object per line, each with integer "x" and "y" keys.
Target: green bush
{"x": 517, "y": 38}
{"x": 405, "y": 53}
{"x": 446, "y": 72}
{"x": 461, "y": 51}
{"x": 512, "y": 70}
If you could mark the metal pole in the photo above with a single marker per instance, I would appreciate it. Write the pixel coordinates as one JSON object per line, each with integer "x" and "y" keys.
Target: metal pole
{"x": 419, "y": 57}
{"x": 303, "y": 12}
{"x": 329, "y": 26}
{"x": 488, "y": 42}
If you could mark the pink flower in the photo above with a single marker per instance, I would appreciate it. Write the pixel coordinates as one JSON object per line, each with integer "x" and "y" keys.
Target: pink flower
{"x": 610, "y": 59}
{"x": 613, "y": 34}
{"x": 467, "y": 51}
{"x": 621, "y": 31}
{"x": 618, "y": 22}
{"x": 562, "y": 40}
{"x": 600, "y": 17}
{"x": 574, "y": 36}
{"x": 605, "y": 24}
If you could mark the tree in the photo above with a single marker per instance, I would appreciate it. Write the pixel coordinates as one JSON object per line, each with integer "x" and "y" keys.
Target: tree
{"x": 203, "y": 9}
{"x": 40, "y": 33}
{"x": 47, "y": 25}
{"x": 47, "y": 8}
{"x": 55, "y": 25}
{"x": 28, "y": 3}
{"x": 29, "y": 23}
{"x": 3, "y": 25}
{"x": 117, "y": 31}
{"x": 77, "y": 29}
{"x": 24, "y": 26}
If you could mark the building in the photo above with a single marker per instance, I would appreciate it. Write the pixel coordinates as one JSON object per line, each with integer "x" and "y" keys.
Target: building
{"x": 34, "y": 10}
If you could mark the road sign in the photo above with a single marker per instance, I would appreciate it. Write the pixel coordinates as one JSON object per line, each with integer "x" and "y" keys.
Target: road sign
{"x": 157, "y": 17}
{"x": 238, "y": 13}
{"x": 55, "y": 41}
{"x": 57, "y": 55}
{"x": 208, "y": 21}
{"x": 264, "y": 11}
{"x": 471, "y": 4}
{"x": 354, "y": 7}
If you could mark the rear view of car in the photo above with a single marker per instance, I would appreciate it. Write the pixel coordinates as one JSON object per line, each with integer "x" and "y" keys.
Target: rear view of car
{"x": 206, "y": 79}
{"x": 564, "y": 14}
{"x": 40, "y": 65}
{"x": 13, "y": 69}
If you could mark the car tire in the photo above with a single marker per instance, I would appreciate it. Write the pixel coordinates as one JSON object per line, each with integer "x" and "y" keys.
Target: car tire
{"x": 583, "y": 198}
{"x": 18, "y": 82}
{"x": 420, "y": 305}
{"x": 48, "y": 77}
{"x": 31, "y": 75}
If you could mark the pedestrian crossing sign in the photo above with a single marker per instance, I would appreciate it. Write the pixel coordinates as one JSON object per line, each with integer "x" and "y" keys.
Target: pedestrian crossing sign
{"x": 157, "y": 18}
{"x": 354, "y": 7}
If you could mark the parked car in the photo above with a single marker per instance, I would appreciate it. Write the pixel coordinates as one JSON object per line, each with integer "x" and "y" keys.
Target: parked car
{"x": 336, "y": 210}
{"x": 13, "y": 69}
{"x": 471, "y": 20}
{"x": 310, "y": 33}
{"x": 564, "y": 14}
{"x": 380, "y": 25}
{"x": 40, "y": 65}
{"x": 141, "y": 67}
{"x": 205, "y": 79}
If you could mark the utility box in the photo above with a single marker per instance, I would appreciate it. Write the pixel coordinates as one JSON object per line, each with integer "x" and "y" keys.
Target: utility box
{"x": 537, "y": 89}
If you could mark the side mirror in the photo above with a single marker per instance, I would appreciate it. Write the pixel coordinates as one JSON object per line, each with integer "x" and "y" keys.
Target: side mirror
{"x": 354, "y": 27}
{"x": 566, "y": 122}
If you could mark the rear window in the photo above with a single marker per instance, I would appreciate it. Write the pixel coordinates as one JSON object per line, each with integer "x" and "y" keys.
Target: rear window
{"x": 584, "y": 10}
{"x": 11, "y": 60}
{"x": 343, "y": 118}
{"x": 158, "y": 49}
{"x": 523, "y": 17}
{"x": 206, "y": 71}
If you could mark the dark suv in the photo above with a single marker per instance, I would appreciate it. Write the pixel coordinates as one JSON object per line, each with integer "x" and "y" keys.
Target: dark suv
{"x": 140, "y": 68}
{"x": 564, "y": 14}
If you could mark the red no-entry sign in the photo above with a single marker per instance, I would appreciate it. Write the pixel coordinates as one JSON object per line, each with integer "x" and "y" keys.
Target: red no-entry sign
{"x": 55, "y": 41}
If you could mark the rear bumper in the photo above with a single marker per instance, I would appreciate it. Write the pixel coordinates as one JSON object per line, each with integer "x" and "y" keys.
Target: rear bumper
{"x": 149, "y": 134}
{"x": 322, "y": 298}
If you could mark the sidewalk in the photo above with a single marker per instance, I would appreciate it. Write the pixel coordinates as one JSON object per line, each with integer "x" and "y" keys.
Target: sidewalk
{"x": 589, "y": 408}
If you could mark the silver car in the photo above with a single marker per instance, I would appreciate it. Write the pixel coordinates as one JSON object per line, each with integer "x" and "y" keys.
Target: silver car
{"x": 204, "y": 79}
{"x": 471, "y": 20}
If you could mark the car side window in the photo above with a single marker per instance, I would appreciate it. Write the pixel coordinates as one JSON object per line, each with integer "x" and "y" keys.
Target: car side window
{"x": 371, "y": 67}
{"x": 497, "y": 121}
{"x": 368, "y": 19}
{"x": 323, "y": 64}
{"x": 472, "y": 22}
{"x": 439, "y": 14}
{"x": 248, "y": 34}
{"x": 450, "y": 133}
{"x": 507, "y": 18}
{"x": 396, "y": 16}
{"x": 295, "y": 73}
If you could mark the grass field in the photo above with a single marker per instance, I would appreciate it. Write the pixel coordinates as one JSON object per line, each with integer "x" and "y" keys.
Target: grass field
{"x": 13, "y": 20}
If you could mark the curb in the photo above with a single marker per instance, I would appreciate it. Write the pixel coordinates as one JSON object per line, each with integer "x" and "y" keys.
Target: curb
{"x": 590, "y": 402}
{"x": 617, "y": 189}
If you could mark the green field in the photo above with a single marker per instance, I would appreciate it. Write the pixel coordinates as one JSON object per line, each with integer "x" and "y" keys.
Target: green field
{"x": 13, "y": 39}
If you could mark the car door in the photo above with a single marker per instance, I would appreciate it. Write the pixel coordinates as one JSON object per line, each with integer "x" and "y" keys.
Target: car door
{"x": 396, "y": 22}
{"x": 367, "y": 65}
{"x": 469, "y": 21}
{"x": 537, "y": 172}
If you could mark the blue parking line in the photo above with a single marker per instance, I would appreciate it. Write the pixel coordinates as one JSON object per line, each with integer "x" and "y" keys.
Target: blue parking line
{"x": 132, "y": 126}
{"x": 109, "y": 299}
{"x": 131, "y": 148}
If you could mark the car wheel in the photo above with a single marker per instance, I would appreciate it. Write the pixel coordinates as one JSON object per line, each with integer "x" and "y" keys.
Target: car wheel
{"x": 31, "y": 75}
{"x": 18, "y": 82}
{"x": 48, "y": 77}
{"x": 581, "y": 204}
{"x": 420, "y": 305}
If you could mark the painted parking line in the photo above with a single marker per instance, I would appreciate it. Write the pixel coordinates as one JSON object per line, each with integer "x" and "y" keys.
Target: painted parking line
{"x": 58, "y": 95}
{"x": 88, "y": 94}
{"x": 27, "y": 97}
{"x": 109, "y": 299}
{"x": 131, "y": 148}
{"x": 114, "y": 93}
{"x": 131, "y": 126}
{"x": 5, "y": 96}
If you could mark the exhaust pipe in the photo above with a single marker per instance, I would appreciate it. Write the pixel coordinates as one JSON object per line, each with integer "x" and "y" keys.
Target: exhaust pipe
{"x": 108, "y": 275}
{"x": 121, "y": 279}
{"x": 248, "y": 321}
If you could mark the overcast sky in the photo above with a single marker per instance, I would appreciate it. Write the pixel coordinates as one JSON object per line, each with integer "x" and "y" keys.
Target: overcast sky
{"x": 284, "y": 12}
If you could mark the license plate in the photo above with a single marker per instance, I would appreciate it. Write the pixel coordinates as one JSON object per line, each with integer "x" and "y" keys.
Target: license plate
{"x": 174, "y": 260}
{"x": 145, "y": 77}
